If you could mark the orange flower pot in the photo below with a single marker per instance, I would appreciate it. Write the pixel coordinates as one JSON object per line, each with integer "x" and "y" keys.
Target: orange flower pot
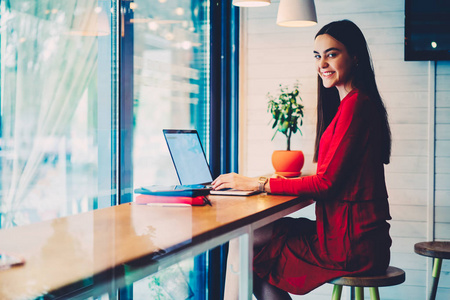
{"x": 288, "y": 163}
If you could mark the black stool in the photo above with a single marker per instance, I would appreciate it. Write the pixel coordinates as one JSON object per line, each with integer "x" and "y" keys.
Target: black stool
{"x": 393, "y": 276}
{"x": 438, "y": 251}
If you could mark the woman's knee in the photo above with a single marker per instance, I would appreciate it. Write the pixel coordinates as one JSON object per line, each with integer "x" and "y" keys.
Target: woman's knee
{"x": 262, "y": 236}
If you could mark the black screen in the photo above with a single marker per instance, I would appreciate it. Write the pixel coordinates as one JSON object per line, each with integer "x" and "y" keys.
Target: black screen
{"x": 427, "y": 30}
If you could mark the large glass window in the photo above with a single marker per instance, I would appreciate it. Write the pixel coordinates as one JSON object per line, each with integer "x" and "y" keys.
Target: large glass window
{"x": 170, "y": 90}
{"x": 171, "y": 66}
{"x": 57, "y": 144}
{"x": 60, "y": 122}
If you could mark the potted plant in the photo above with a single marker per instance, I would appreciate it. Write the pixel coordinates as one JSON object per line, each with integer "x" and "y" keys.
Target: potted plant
{"x": 287, "y": 113}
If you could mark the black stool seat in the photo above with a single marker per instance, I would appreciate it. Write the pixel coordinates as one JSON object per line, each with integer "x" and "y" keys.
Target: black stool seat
{"x": 438, "y": 251}
{"x": 433, "y": 249}
{"x": 393, "y": 276}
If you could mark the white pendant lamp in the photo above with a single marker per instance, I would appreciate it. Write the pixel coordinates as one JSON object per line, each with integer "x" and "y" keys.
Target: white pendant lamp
{"x": 296, "y": 13}
{"x": 251, "y": 3}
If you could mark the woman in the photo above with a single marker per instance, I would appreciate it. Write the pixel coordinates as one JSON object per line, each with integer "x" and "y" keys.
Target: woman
{"x": 350, "y": 234}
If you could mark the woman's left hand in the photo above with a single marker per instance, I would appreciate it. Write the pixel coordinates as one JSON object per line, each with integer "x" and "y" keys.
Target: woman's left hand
{"x": 235, "y": 181}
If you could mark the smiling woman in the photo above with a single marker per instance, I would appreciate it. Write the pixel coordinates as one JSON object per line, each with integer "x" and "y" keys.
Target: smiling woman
{"x": 351, "y": 233}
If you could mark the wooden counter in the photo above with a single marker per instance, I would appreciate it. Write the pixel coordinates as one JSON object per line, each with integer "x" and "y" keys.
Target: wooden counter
{"x": 94, "y": 252}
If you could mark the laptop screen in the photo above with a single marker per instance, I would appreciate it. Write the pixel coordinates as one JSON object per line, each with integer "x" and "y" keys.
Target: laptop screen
{"x": 188, "y": 156}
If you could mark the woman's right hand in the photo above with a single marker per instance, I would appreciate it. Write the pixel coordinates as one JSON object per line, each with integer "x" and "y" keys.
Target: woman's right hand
{"x": 235, "y": 181}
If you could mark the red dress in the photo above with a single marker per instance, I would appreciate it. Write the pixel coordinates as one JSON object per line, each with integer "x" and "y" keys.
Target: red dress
{"x": 350, "y": 234}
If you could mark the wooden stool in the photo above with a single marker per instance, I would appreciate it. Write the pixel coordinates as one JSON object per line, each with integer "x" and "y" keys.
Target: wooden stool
{"x": 393, "y": 276}
{"x": 439, "y": 251}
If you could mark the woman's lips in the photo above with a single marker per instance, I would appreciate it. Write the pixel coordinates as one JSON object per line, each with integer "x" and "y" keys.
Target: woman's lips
{"x": 327, "y": 73}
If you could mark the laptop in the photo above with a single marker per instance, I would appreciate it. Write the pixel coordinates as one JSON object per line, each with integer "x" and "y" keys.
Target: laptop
{"x": 190, "y": 161}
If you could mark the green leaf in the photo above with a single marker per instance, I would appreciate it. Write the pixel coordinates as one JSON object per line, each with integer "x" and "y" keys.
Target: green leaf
{"x": 275, "y": 123}
{"x": 274, "y": 135}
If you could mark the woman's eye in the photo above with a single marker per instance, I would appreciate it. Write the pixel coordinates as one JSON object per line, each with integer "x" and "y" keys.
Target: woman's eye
{"x": 317, "y": 56}
{"x": 331, "y": 54}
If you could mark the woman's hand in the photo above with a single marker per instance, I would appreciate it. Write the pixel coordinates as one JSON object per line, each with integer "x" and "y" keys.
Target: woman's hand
{"x": 235, "y": 181}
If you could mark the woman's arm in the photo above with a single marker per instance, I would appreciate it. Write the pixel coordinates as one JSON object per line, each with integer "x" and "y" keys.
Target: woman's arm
{"x": 342, "y": 153}
{"x": 344, "y": 149}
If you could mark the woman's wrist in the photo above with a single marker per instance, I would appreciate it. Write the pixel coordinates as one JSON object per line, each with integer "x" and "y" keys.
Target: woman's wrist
{"x": 262, "y": 181}
{"x": 267, "y": 186}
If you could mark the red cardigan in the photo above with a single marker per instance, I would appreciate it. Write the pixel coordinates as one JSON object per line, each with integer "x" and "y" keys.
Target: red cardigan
{"x": 349, "y": 163}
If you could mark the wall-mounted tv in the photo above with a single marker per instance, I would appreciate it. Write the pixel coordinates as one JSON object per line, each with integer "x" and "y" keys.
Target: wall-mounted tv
{"x": 427, "y": 29}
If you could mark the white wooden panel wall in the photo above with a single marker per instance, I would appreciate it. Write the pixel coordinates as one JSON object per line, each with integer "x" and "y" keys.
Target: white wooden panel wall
{"x": 272, "y": 55}
{"x": 442, "y": 191}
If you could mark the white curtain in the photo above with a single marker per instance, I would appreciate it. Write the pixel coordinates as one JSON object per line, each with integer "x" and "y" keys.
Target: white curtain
{"x": 46, "y": 67}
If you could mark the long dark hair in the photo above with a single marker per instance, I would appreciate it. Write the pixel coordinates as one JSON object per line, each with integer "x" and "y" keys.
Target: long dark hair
{"x": 363, "y": 78}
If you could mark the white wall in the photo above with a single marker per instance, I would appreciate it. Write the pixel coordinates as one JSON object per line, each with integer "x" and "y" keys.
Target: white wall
{"x": 419, "y": 114}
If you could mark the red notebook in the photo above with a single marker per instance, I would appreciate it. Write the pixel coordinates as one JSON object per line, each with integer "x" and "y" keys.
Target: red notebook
{"x": 144, "y": 199}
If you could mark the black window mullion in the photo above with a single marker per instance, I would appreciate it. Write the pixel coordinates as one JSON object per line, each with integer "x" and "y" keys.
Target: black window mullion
{"x": 125, "y": 114}
{"x": 126, "y": 53}
{"x": 224, "y": 117}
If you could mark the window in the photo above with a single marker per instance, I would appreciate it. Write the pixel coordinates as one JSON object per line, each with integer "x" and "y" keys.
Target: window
{"x": 57, "y": 143}
{"x": 59, "y": 99}
{"x": 171, "y": 81}
{"x": 170, "y": 42}
{"x": 62, "y": 125}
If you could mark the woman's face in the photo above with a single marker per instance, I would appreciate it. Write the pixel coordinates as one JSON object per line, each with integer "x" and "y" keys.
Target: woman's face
{"x": 334, "y": 65}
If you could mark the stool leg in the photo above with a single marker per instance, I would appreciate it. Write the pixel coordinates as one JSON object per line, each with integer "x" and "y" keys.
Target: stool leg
{"x": 359, "y": 293}
{"x": 436, "y": 273}
{"x": 374, "y": 294}
{"x": 337, "y": 292}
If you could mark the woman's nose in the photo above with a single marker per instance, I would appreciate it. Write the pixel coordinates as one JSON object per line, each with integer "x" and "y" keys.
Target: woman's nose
{"x": 323, "y": 63}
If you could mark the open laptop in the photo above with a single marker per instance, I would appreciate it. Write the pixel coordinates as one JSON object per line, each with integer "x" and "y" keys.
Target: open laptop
{"x": 190, "y": 161}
